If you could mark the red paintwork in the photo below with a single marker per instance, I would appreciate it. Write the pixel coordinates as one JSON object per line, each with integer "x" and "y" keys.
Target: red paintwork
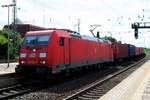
{"x": 29, "y": 60}
{"x": 73, "y": 51}
{"x": 86, "y": 50}
{"x": 78, "y": 50}
{"x": 106, "y": 51}
{"x": 120, "y": 50}
{"x": 138, "y": 51}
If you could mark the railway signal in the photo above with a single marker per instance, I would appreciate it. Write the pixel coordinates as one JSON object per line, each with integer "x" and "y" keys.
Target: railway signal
{"x": 138, "y": 25}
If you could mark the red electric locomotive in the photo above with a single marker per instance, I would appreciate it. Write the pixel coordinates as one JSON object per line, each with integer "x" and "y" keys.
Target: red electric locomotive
{"x": 56, "y": 50}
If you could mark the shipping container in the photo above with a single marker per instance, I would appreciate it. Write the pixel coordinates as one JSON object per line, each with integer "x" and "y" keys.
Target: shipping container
{"x": 137, "y": 51}
{"x": 120, "y": 50}
{"x": 131, "y": 50}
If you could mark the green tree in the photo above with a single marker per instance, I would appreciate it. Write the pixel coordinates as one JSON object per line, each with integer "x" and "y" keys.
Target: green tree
{"x": 14, "y": 43}
{"x": 3, "y": 46}
{"x": 146, "y": 51}
{"x": 3, "y": 40}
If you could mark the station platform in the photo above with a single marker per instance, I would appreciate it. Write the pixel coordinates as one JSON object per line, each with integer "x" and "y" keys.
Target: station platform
{"x": 135, "y": 87}
{"x": 4, "y": 69}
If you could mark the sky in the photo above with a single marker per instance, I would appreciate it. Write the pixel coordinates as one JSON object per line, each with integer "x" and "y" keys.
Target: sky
{"x": 114, "y": 16}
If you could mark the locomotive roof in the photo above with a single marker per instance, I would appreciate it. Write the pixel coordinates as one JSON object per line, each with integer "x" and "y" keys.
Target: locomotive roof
{"x": 39, "y": 32}
{"x": 95, "y": 39}
{"x": 72, "y": 34}
{"x": 63, "y": 33}
{"x": 89, "y": 38}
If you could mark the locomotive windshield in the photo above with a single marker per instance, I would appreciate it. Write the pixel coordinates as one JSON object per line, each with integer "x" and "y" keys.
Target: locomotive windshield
{"x": 36, "y": 40}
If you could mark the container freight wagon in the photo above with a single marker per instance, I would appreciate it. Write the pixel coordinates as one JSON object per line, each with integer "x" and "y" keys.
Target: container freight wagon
{"x": 131, "y": 50}
{"x": 138, "y": 51}
{"x": 120, "y": 51}
{"x": 53, "y": 51}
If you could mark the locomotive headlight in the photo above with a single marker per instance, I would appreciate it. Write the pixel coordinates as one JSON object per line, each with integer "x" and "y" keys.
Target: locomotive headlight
{"x": 43, "y": 55}
{"x": 43, "y": 62}
{"x": 23, "y": 55}
{"x": 22, "y": 62}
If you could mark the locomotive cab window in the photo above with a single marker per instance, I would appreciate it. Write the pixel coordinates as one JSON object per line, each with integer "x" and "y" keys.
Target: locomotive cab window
{"x": 36, "y": 40}
{"x": 61, "y": 41}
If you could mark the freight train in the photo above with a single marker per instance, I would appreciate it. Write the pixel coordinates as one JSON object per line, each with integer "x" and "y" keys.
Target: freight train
{"x": 56, "y": 50}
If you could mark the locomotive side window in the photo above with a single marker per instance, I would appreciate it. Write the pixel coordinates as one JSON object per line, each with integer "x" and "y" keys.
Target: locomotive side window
{"x": 61, "y": 41}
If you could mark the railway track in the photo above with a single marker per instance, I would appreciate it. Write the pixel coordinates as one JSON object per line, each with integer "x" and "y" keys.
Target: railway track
{"x": 19, "y": 89}
{"x": 98, "y": 89}
{"x": 10, "y": 79}
{"x": 12, "y": 91}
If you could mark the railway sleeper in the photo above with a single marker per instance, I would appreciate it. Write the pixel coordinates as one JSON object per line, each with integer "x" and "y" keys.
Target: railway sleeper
{"x": 93, "y": 94}
{"x": 98, "y": 92}
{"x": 88, "y": 97}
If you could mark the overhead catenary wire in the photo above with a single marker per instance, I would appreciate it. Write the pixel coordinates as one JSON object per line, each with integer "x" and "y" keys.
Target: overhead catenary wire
{"x": 112, "y": 8}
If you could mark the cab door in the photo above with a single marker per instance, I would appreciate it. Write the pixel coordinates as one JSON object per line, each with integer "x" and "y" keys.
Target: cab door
{"x": 66, "y": 51}
{"x": 64, "y": 41}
